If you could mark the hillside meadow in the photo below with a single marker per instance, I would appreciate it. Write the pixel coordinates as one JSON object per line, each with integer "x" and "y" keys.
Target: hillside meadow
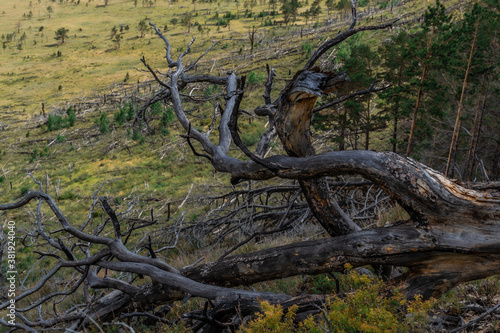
{"x": 94, "y": 75}
{"x": 38, "y": 69}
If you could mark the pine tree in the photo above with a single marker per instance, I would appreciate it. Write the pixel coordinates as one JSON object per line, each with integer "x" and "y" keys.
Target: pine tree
{"x": 61, "y": 34}
{"x": 396, "y": 100}
{"x": 143, "y": 28}
{"x": 361, "y": 69}
{"x": 473, "y": 63}
{"x": 426, "y": 49}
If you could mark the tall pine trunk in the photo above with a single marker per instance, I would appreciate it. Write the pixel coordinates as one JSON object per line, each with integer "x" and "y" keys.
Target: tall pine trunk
{"x": 458, "y": 122}
{"x": 476, "y": 131}
{"x": 419, "y": 95}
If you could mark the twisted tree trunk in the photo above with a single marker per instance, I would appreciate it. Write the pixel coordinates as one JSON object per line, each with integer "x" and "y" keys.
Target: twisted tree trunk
{"x": 453, "y": 235}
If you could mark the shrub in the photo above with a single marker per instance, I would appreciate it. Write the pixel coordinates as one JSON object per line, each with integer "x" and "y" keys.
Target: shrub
{"x": 68, "y": 195}
{"x": 137, "y": 136}
{"x": 36, "y": 153}
{"x": 250, "y": 138}
{"x": 60, "y": 138}
{"x": 119, "y": 118}
{"x": 362, "y": 310}
{"x": 366, "y": 310}
{"x": 229, "y": 16}
{"x": 103, "y": 123}
{"x": 2, "y": 179}
{"x": 156, "y": 108}
{"x": 24, "y": 189}
{"x": 71, "y": 116}
{"x": 167, "y": 117}
{"x": 254, "y": 78}
{"x": 124, "y": 113}
{"x": 307, "y": 48}
{"x": 271, "y": 320}
{"x": 210, "y": 90}
{"x": 55, "y": 122}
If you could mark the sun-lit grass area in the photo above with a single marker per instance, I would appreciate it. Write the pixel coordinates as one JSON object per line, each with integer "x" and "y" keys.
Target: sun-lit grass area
{"x": 36, "y": 68}
{"x": 152, "y": 171}
{"x": 73, "y": 161}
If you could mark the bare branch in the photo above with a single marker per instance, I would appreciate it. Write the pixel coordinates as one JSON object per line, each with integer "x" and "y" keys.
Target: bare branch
{"x": 114, "y": 219}
{"x": 269, "y": 84}
{"x": 340, "y": 38}
{"x": 344, "y": 98}
{"x": 168, "y": 47}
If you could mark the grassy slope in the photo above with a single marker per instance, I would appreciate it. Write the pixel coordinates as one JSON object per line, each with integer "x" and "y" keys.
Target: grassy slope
{"x": 91, "y": 63}
{"x": 162, "y": 168}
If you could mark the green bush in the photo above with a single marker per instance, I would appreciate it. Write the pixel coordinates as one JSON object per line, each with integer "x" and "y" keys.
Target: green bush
{"x": 322, "y": 284}
{"x": 307, "y": 48}
{"x": 167, "y": 117}
{"x": 68, "y": 195}
{"x": 34, "y": 155}
{"x": 71, "y": 116}
{"x": 137, "y": 136}
{"x": 222, "y": 22}
{"x": 24, "y": 189}
{"x": 2, "y": 179}
{"x": 60, "y": 138}
{"x": 271, "y": 320}
{"x": 156, "y": 108}
{"x": 119, "y": 118}
{"x": 249, "y": 139}
{"x": 254, "y": 78}
{"x": 55, "y": 122}
{"x": 37, "y": 153}
{"x": 124, "y": 113}
{"x": 210, "y": 90}
{"x": 103, "y": 123}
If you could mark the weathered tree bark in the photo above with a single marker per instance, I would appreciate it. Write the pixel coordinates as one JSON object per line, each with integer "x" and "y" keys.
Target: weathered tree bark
{"x": 293, "y": 121}
{"x": 430, "y": 256}
{"x": 453, "y": 235}
{"x": 439, "y": 208}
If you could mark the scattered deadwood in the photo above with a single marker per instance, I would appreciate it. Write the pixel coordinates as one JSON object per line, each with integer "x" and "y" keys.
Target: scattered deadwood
{"x": 453, "y": 237}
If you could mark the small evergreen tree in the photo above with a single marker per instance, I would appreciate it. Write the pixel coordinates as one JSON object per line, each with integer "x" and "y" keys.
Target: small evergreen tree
{"x": 143, "y": 28}
{"x": 117, "y": 40}
{"x": 103, "y": 123}
{"x": 61, "y": 34}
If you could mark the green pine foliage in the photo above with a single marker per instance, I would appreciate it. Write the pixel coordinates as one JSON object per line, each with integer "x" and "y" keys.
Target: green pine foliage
{"x": 55, "y": 122}
{"x": 137, "y": 136}
{"x": 103, "y": 123}
{"x": 397, "y": 101}
{"x": 167, "y": 117}
{"x": 307, "y": 48}
{"x": 125, "y": 113}
{"x": 254, "y": 78}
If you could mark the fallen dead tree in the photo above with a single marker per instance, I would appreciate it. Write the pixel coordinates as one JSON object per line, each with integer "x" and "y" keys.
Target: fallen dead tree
{"x": 453, "y": 235}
